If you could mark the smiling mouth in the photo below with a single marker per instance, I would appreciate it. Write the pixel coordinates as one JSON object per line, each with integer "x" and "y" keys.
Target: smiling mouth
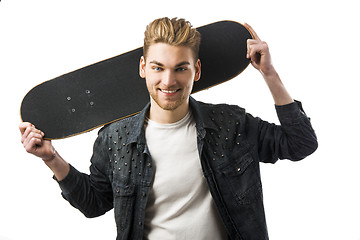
{"x": 168, "y": 91}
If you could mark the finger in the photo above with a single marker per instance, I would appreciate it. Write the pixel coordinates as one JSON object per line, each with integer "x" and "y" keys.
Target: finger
{"x": 252, "y": 45}
{"x": 31, "y": 136}
{"x": 32, "y": 145}
{"x": 253, "y": 42}
{"x": 253, "y": 49}
{"x": 258, "y": 46}
{"x": 251, "y": 30}
{"x": 26, "y": 133}
{"x": 31, "y": 129}
{"x": 23, "y": 126}
{"x": 255, "y": 57}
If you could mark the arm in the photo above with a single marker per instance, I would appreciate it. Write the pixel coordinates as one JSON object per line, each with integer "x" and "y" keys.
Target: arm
{"x": 295, "y": 138}
{"x": 91, "y": 194}
{"x": 258, "y": 52}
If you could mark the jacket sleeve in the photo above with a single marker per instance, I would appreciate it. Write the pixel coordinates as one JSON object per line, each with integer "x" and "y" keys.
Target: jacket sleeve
{"x": 294, "y": 139}
{"x": 91, "y": 194}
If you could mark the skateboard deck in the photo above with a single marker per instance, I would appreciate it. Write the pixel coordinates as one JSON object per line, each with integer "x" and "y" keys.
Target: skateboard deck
{"x": 112, "y": 89}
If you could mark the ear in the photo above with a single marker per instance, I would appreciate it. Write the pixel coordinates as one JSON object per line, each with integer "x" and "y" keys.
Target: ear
{"x": 197, "y": 70}
{"x": 142, "y": 67}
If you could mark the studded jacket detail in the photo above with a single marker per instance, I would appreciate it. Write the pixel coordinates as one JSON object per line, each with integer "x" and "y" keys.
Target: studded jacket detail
{"x": 231, "y": 144}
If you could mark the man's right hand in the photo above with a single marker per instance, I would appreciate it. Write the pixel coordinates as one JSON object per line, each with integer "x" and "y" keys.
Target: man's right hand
{"x": 34, "y": 142}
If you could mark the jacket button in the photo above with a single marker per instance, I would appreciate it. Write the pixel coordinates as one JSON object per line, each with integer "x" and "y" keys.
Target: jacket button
{"x": 238, "y": 169}
{"x": 117, "y": 190}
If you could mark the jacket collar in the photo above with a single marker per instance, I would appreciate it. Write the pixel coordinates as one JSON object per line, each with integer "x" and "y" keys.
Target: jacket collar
{"x": 201, "y": 115}
{"x": 138, "y": 134}
{"x": 199, "y": 112}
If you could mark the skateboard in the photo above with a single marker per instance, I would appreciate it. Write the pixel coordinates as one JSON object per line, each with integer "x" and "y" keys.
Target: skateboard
{"x": 112, "y": 89}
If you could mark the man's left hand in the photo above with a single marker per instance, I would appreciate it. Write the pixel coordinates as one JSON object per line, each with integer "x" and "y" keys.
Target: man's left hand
{"x": 259, "y": 54}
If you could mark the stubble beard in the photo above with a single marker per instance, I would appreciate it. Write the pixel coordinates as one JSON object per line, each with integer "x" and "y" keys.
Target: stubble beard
{"x": 169, "y": 105}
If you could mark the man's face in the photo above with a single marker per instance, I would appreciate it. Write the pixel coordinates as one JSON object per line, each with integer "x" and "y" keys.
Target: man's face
{"x": 170, "y": 72}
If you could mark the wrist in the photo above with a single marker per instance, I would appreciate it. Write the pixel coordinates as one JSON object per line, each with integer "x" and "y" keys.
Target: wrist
{"x": 58, "y": 166}
{"x": 270, "y": 74}
{"x": 52, "y": 157}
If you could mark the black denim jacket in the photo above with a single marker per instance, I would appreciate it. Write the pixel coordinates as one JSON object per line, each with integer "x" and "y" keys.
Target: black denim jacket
{"x": 231, "y": 144}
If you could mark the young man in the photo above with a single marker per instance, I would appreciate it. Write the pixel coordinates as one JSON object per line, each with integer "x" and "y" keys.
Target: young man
{"x": 183, "y": 169}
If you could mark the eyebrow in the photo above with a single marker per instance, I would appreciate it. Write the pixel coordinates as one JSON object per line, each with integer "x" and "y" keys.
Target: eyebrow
{"x": 177, "y": 65}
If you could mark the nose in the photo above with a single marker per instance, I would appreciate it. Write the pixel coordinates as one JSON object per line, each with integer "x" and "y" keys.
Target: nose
{"x": 169, "y": 78}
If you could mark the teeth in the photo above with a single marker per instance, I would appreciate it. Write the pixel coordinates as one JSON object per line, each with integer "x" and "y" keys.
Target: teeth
{"x": 168, "y": 91}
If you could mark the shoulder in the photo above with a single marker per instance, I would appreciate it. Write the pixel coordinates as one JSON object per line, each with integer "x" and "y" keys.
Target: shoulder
{"x": 218, "y": 110}
{"x": 120, "y": 125}
{"x": 222, "y": 116}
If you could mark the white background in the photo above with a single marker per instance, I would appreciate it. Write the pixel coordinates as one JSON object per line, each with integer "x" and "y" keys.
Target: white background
{"x": 314, "y": 46}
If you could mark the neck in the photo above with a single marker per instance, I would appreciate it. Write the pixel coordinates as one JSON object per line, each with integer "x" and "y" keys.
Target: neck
{"x": 163, "y": 116}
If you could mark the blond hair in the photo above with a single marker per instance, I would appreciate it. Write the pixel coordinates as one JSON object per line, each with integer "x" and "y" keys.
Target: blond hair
{"x": 176, "y": 32}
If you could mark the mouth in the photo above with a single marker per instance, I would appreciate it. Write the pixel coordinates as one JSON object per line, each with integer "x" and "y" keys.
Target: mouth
{"x": 169, "y": 91}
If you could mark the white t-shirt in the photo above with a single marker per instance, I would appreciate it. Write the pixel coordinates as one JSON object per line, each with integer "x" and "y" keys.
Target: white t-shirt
{"x": 180, "y": 205}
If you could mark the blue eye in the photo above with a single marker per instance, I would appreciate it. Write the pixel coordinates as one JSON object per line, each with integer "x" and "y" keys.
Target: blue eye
{"x": 180, "y": 69}
{"x": 157, "y": 69}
